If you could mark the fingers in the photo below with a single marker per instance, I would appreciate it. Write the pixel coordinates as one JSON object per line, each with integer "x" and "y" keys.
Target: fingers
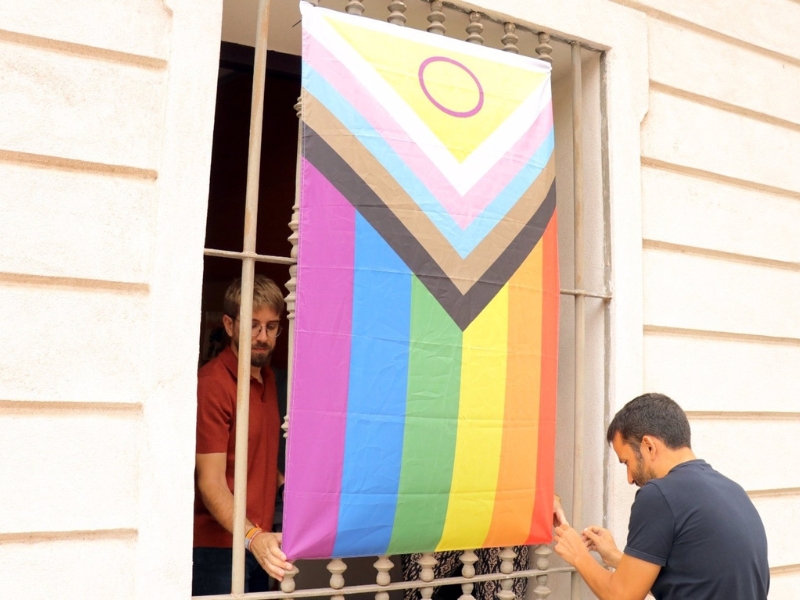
{"x": 562, "y": 518}
{"x": 590, "y": 545}
{"x": 274, "y": 545}
{"x": 563, "y": 530}
{"x": 274, "y": 567}
{"x": 589, "y": 534}
{"x": 566, "y": 546}
{"x": 596, "y": 529}
{"x": 593, "y": 538}
{"x": 600, "y": 540}
{"x": 270, "y": 556}
{"x": 559, "y": 518}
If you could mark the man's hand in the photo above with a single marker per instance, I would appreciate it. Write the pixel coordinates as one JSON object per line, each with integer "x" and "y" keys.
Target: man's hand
{"x": 600, "y": 540}
{"x": 559, "y": 518}
{"x": 631, "y": 581}
{"x": 569, "y": 545}
{"x": 266, "y": 547}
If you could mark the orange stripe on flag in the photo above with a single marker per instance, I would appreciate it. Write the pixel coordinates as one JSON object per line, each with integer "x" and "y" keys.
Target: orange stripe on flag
{"x": 516, "y": 483}
{"x": 541, "y": 525}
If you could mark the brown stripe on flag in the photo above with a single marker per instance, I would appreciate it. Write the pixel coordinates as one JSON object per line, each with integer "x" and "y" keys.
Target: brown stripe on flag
{"x": 462, "y": 307}
{"x": 463, "y": 272}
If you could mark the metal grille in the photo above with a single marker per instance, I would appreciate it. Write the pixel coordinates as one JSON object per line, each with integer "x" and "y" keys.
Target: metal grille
{"x": 540, "y": 555}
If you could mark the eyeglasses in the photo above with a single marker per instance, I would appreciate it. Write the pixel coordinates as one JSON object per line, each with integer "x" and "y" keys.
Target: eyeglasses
{"x": 273, "y": 328}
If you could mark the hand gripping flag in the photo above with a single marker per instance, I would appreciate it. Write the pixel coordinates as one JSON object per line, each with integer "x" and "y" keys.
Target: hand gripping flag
{"x": 424, "y": 375}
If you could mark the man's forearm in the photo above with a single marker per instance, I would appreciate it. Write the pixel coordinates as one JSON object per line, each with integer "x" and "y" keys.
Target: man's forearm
{"x": 612, "y": 558}
{"x": 219, "y": 502}
{"x": 596, "y": 577}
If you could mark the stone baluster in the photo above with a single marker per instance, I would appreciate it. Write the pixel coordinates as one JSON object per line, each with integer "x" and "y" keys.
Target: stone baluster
{"x": 291, "y": 285}
{"x": 288, "y": 584}
{"x": 507, "y": 556}
{"x": 436, "y": 18}
{"x": 383, "y": 565}
{"x": 354, "y": 7}
{"x": 544, "y": 50}
{"x": 427, "y": 561}
{"x": 468, "y": 559}
{"x": 475, "y": 28}
{"x": 396, "y": 10}
{"x": 510, "y": 38}
{"x": 336, "y": 567}
{"x": 542, "y": 554}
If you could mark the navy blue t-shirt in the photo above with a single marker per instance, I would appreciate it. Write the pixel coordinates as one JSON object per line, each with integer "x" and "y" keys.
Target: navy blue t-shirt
{"x": 704, "y": 532}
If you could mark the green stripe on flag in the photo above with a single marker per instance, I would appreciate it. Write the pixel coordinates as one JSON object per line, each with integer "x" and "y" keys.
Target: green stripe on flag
{"x": 429, "y": 439}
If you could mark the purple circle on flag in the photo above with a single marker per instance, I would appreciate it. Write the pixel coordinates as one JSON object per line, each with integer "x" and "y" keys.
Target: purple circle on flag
{"x": 444, "y": 109}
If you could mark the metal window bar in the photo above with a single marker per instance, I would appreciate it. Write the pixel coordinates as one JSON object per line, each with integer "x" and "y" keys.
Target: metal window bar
{"x": 249, "y": 257}
{"x": 246, "y": 303}
{"x": 580, "y": 299}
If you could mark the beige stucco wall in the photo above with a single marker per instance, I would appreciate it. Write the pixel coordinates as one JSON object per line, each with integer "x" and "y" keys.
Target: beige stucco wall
{"x": 107, "y": 116}
{"x": 721, "y": 257}
{"x": 104, "y": 156}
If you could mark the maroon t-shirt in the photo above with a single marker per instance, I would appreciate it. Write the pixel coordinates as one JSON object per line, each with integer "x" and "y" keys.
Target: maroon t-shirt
{"x": 216, "y": 432}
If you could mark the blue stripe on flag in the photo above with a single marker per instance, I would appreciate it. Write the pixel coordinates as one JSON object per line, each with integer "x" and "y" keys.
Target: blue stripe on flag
{"x": 376, "y": 403}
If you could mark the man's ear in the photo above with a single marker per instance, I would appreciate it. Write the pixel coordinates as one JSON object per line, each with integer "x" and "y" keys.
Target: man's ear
{"x": 227, "y": 323}
{"x": 649, "y": 447}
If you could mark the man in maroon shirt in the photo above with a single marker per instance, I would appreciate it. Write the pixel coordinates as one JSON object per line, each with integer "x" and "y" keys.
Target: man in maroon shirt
{"x": 214, "y": 461}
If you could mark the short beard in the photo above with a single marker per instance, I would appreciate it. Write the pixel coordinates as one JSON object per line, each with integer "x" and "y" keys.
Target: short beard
{"x": 256, "y": 360}
{"x": 640, "y": 477}
{"x": 261, "y": 359}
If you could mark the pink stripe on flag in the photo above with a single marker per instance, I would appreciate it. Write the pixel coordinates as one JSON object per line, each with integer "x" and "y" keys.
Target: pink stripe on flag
{"x": 463, "y": 209}
{"x": 322, "y": 337}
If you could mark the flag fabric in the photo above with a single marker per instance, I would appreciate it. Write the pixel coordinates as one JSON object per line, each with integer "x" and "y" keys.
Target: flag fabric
{"x": 424, "y": 369}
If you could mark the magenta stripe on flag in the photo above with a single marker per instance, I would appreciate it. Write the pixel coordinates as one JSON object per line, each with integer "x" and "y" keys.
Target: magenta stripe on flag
{"x": 322, "y": 337}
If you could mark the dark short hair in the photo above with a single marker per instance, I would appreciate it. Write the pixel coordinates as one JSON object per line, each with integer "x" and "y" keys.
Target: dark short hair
{"x": 655, "y": 415}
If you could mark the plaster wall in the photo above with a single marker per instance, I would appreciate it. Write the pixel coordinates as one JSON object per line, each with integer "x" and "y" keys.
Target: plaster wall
{"x": 720, "y": 214}
{"x": 104, "y": 155}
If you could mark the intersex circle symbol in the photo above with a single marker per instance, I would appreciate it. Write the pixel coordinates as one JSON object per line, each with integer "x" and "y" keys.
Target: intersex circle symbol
{"x": 444, "y": 109}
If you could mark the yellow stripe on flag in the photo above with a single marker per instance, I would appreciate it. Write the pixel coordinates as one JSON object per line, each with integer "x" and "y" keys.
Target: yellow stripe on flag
{"x": 398, "y": 60}
{"x": 480, "y": 428}
{"x": 516, "y": 483}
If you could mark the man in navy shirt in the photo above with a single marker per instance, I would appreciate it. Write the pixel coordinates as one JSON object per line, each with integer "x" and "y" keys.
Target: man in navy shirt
{"x": 693, "y": 533}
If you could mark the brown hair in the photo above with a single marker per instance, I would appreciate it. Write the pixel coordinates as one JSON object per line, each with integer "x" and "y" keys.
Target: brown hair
{"x": 265, "y": 294}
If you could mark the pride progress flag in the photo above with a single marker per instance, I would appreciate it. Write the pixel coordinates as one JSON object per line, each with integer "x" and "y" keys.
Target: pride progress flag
{"x": 424, "y": 379}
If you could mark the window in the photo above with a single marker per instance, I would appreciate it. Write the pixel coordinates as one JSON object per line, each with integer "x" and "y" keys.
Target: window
{"x": 237, "y": 195}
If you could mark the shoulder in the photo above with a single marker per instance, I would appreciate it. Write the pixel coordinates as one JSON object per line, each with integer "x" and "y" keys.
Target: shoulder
{"x": 214, "y": 381}
{"x": 650, "y": 493}
{"x": 691, "y": 480}
{"x": 651, "y": 502}
{"x": 652, "y": 526}
{"x": 218, "y": 367}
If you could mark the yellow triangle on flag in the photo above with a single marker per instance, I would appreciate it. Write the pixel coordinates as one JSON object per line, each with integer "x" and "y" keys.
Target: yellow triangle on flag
{"x": 446, "y": 81}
